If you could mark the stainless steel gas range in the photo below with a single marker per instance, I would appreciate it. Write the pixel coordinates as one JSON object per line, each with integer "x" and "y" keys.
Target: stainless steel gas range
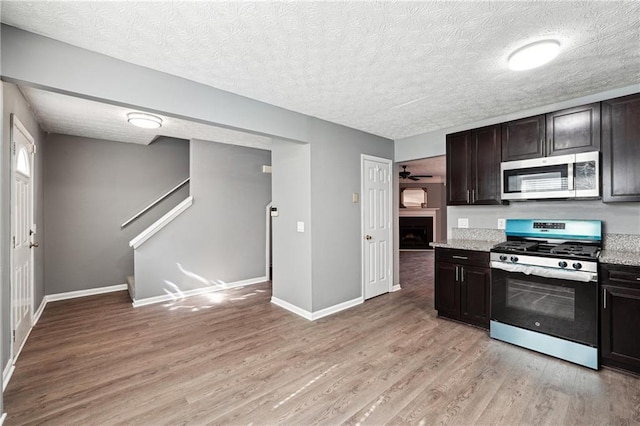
{"x": 544, "y": 288}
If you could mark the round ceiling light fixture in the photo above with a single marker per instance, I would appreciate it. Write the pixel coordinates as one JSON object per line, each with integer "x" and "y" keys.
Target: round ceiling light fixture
{"x": 534, "y": 55}
{"x": 146, "y": 121}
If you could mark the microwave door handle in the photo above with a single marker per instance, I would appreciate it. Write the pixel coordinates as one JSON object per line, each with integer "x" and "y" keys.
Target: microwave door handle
{"x": 570, "y": 176}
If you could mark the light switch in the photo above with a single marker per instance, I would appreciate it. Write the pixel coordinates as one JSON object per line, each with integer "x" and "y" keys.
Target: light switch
{"x": 274, "y": 212}
{"x": 300, "y": 226}
{"x": 502, "y": 223}
{"x": 356, "y": 197}
{"x": 463, "y": 222}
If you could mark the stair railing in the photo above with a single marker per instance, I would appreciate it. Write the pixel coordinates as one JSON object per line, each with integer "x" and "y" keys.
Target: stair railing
{"x": 154, "y": 203}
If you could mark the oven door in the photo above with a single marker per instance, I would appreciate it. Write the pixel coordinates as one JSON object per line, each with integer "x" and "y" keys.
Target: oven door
{"x": 557, "y": 306}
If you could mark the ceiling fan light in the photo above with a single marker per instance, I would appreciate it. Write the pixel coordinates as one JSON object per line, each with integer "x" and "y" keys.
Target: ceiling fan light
{"x": 145, "y": 121}
{"x": 534, "y": 55}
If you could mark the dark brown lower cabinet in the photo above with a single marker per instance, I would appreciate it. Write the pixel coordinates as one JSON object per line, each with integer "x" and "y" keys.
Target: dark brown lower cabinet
{"x": 620, "y": 317}
{"x": 462, "y": 283}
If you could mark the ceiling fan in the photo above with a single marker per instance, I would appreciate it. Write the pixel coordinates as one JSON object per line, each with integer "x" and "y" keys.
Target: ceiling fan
{"x": 404, "y": 174}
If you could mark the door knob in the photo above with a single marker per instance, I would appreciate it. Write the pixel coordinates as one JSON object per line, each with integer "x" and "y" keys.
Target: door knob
{"x": 368, "y": 237}
{"x": 32, "y": 245}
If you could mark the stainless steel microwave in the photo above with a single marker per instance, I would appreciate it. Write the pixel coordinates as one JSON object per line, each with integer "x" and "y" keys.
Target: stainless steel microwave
{"x": 564, "y": 176}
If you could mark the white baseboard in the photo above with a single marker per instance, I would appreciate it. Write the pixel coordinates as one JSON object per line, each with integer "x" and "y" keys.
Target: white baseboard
{"x": 7, "y": 373}
{"x": 3, "y": 418}
{"x": 292, "y": 308}
{"x": 336, "y": 308}
{"x": 396, "y": 287}
{"x": 83, "y": 293}
{"x": 194, "y": 292}
{"x": 312, "y": 316}
{"x": 38, "y": 313}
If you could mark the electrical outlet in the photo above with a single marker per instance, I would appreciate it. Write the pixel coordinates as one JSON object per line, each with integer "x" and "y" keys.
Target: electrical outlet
{"x": 463, "y": 222}
{"x": 502, "y": 223}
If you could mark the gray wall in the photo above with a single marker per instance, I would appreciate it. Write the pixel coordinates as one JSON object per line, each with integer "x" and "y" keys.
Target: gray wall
{"x": 618, "y": 218}
{"x": 335, "y": 162}
{"x": 14, "y": 102}
{"x": 436, "y": 194}
{"x": 337, "y": 235}
{"x": 292, "y": 280}
{"x": 92, "y": 186}
{"x": 222, "y": 236}
{"x": 95, "y": 76}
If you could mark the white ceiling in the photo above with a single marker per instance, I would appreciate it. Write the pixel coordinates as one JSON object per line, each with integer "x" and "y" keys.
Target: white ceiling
{"x": 70, "y": 115}
{"x": 390, "y": 68}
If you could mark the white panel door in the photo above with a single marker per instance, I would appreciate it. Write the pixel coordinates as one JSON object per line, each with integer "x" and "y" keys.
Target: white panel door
{"x": 22, "y": 232}
{"x": 376, "y": 216}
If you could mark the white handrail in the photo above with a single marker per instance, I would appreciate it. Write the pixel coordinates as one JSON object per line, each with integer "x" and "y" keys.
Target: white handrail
{"x": 154, "y": 203}
{"x": 160, "y": 223}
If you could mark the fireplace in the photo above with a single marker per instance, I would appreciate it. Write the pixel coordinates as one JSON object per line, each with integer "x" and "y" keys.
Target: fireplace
{"x": 416, "y": 233}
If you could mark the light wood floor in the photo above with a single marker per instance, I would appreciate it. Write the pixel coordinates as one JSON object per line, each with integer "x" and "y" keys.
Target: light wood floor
{"x": 233, "y": 358}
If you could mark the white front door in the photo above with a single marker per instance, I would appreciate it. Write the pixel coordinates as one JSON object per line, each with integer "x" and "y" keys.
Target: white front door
{"x": 22, "y": 231}
{"x": 376, "y": 226}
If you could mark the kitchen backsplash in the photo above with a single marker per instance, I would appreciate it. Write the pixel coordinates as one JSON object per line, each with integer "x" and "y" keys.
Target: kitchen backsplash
{"x": 478, "y": 234}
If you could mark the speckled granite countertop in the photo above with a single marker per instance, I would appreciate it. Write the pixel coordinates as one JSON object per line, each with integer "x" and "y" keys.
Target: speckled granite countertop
{"x": 477, "y": 245}
{"x": 619, "y": 249}
{"x": 616, "y": 257}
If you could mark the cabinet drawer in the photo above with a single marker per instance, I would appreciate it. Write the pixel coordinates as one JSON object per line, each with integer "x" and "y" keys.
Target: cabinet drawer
{"x": 626, "y": 276}
{"x": 462, "y": 257}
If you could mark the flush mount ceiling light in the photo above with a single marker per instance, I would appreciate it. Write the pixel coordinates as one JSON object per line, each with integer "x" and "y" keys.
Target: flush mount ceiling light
{"x": 534, "y": 55}
{"x": 146, "y": 121}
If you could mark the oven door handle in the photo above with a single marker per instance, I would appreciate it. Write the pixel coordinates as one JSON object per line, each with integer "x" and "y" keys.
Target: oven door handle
{"x": 539, "y": 271}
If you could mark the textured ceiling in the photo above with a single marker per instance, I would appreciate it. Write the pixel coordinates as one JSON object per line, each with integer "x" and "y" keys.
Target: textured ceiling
{"x": 391, "y": 68}
{"x": 69, "y": 115}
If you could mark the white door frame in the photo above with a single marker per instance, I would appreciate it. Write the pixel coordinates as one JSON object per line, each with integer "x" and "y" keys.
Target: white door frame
{"x": 17, "y": 124}
{"x": 364, "y": 157}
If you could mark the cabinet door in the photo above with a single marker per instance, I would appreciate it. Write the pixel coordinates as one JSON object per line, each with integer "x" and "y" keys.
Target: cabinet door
{"x": 523, "y": 139}
{"x": 447, "y": 289}
{"x": 474, "y": 295}
{"x": 573, "y": 130}
{"x": 621, "y": 149}
{"x": 485, "y": 182}
{"x": 458, "y": 173}
{"x": 620, "y": 327}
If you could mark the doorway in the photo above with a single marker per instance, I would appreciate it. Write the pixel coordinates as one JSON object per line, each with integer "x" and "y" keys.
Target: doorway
{"x": 422, "y": 217}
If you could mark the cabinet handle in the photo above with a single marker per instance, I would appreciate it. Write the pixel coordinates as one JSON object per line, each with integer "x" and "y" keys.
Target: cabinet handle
{"x": 457, "y": 272}
{"x": 460, "y": 257}
{"x": 604, "y": 298}
{"x": 473, "y": 196}
{"x": 468, "y": 199}
{"x": 462, "y": 274}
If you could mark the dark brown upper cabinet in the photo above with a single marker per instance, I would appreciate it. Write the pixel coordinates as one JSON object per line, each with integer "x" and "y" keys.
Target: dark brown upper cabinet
{"x": 523, "y": 139}
{"x": 458, "y": 168}
{"x": 621, "y": 149}
{"x": 473, "y": 166}
{"x": 573, "y": 130}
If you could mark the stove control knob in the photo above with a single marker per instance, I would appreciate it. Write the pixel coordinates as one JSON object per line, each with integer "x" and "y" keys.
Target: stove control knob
{"x": 577, "y": 265}
{"x": 562, "y": 264}
{"x": 514, "y": 259}
{"x": 503, "y": 257}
